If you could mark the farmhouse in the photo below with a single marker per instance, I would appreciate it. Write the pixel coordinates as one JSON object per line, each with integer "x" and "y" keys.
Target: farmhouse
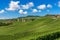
{"x": 28, "y": 18}
{"x": 53, "y": 16}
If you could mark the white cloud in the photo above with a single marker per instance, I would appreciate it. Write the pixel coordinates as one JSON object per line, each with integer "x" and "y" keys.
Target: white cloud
{"x": 43, "y": 6}
{"x": 59, "y": 4}
{"x": 35, "y": 10}
{"x": 25, "y": 12}
{"x": 22, "y": 12}
{"x": 49, "y": 6}
{"x": 2, "y": 11}
{"x": 13, "y": 5}
{"x": 2, "y": 18}
{"x": 27, "y": 6}
{"x": 31, "y": 4}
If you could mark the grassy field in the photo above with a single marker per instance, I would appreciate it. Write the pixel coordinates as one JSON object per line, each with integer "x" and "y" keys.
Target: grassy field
{"x": 30, "y": 30}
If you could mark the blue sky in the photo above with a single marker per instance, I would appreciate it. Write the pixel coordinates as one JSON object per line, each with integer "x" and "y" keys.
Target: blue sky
{"x": 19, "y": 8}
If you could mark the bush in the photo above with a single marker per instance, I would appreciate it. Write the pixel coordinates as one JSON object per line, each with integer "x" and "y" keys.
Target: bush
{"x": 4, "y": 24}
{"x": 52, "y": 36}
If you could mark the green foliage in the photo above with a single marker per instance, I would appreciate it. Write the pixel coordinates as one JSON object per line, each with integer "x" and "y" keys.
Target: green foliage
{"x": 52, "y": 36}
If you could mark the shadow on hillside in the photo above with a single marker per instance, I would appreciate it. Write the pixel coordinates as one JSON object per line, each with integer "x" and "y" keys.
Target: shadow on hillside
{"x": 15, "y": 36}
{"x": 5, "y": 24}
{"x": 6, "y": 37}
{"x": 52, "y": 36}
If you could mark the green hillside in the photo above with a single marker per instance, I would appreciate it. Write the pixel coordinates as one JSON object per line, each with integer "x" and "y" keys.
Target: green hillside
{"x": 32, "y": 30}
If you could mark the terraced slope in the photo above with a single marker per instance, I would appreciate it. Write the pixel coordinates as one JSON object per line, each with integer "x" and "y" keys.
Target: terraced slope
{"x": 30, "y": 30}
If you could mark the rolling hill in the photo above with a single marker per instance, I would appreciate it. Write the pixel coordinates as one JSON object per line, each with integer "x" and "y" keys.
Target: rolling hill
{"x": 32, "y": 30}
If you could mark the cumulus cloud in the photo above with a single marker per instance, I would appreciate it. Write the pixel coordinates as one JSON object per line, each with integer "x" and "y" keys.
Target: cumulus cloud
{"x": 25, "y": 12}
{"x": 2, "y": 11}
{"x": 27, "y": 6}
{"x": 59, "y": 4}
{"x": 42, "y": 7}
{"x": 22, "y": 12}
{"x": 35, "y": 10}
{"x": 13, "y": 5}
{"x": 31, "y": 4}
{"x": 49, "y": 6}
